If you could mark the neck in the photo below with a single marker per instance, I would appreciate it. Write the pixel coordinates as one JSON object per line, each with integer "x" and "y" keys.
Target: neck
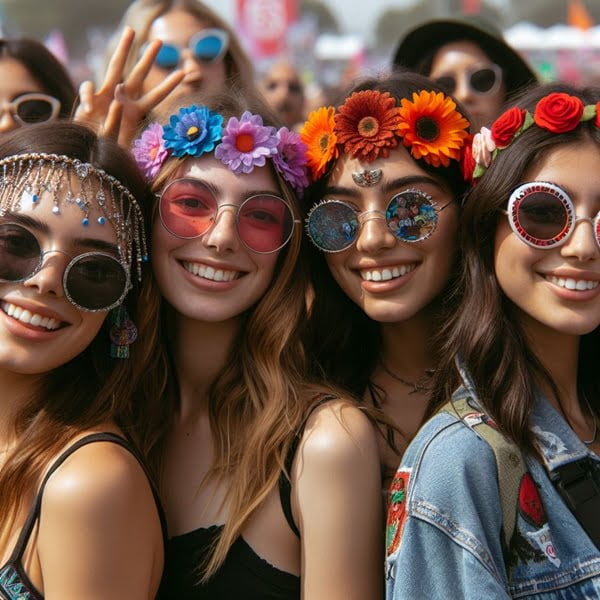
{"x": 200, "y": 351}
{"x": 16, "y": 389}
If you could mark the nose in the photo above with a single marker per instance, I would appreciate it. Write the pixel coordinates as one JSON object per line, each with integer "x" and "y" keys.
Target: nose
{"x": 582, "y": 243}
{"x": 374, "y": 235}
{"x": 463, "y": 91}
{"x": 192, "y": 68}
{"x": 222, "y": 236}
{"x": 49, "y": 278}
{"x": 7, "y": 121}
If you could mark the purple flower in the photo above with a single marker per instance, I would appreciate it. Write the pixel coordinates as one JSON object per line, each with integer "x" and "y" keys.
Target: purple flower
{"x": 290, "y": 159}
{"x": 149, "y": 150}
{"x": 194, "y": 131}
{"x": 246, "y": 143}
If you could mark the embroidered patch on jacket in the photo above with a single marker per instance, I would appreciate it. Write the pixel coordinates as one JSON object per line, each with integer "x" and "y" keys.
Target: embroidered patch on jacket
{"x": 549, "y": 440}
{"x": 396, "y": 510}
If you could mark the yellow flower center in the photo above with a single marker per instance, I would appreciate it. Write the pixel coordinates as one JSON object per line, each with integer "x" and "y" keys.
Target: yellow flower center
{"x": 153, "y": 152}
{"x": 368, "y": 126}
{"x": 244, "y": 142}
{"x": 192, "y": 133}
{"x": 324, "y": 142}
{"x": 427, "y": 129}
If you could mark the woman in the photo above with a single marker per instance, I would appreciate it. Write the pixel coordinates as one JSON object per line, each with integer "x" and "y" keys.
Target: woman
{"x": 263, "y": 474}
{"x": 470, "y": 59}
{"x": 515, "y": 513}
{"x": 194, "y": 39}
{"x": 35, "y": 86}
{"x": 78, "y": 517}
{"x": 383, "y": 217}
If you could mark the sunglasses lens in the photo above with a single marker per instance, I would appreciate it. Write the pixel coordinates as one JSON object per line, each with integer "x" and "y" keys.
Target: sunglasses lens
{"x": 19, "y": 253}
{"x": 411, "y": 216}
{"x": 208, "y": 47}
{"x": 187, "y": 208}
{"x": 483, "y": 80}
{"x": 541, "y": 217}
{"x": 95, "y": 282}
{"x": 447, "y": 83}
{"x": 167, "y": 57}
{"x": 265, "y": 223}
{"x": 332, "y": 226}
{"x": 34, "y": 110}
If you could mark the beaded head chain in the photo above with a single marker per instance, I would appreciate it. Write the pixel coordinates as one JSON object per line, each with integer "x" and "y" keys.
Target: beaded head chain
{"x": 369, "y": 124}
{"x": 557, "y": 112}
{"x": 241, "y": 144}
{"x": 100, "y": 197}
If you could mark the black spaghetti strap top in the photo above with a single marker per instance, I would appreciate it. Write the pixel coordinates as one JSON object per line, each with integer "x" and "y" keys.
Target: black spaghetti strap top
{"x": 14, "y": 582}
{"x": 243, "y": 574}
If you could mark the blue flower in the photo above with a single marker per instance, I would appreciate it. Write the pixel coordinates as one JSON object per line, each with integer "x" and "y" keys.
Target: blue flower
{"x": 194, "y": 131}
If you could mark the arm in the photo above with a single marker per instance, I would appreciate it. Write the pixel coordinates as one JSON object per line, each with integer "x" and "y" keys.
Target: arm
{"x": 99, "y": 535}
{"x": 338, "y": 506}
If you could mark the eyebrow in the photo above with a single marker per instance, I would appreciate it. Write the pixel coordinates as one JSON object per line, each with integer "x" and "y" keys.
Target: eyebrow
{"x": 41, "y": 227}
{"x": 216, "y": 191}
{"x": 386, "y": 187}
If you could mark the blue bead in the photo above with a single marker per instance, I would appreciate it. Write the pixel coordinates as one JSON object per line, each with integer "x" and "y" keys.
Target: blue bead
{"x": 101, "y": 220}
{"x": 145, "y": 258}
{"x": 34, "y": 198}
{"x": 85, "y": 222}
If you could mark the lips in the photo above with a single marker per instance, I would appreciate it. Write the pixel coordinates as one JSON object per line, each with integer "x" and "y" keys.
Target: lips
{"x": 211, "y": 273}
{"x": 386, "y": 273}
{"x": 30, "y": 317}
{"x": 580, "y": 285}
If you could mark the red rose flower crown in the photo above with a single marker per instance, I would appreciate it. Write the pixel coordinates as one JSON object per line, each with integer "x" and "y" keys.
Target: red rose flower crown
{"x": 369, "y": 124}
{"x": 557, "y": 112}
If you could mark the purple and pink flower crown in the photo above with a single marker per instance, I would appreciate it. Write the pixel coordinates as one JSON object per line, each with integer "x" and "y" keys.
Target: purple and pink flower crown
{"x": 242, "y": 144}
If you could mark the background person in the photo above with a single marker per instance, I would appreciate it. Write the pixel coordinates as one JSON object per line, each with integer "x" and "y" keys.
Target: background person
{"x": 283, "y": 90}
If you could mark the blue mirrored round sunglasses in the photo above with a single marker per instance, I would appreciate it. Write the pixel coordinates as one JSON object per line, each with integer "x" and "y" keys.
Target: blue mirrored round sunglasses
{"x": 208, "y": 46}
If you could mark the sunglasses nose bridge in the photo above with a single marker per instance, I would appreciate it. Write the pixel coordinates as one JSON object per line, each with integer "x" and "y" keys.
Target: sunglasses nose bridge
{"x": 370, "y": 215}
{"x": 48, "y": 276}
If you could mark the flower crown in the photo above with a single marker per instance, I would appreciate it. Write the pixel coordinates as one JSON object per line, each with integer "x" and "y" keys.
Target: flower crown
{"x": 557, "y": 112}
{"x": 369, "y": 125}
{"x": 242, "y": 144}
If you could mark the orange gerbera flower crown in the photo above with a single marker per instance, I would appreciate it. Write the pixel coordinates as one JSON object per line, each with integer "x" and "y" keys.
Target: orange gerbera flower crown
{"x": 369, "y": 124}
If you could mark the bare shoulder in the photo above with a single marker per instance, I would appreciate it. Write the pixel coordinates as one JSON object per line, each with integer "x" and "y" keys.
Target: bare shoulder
{"x": 338, "y": 432}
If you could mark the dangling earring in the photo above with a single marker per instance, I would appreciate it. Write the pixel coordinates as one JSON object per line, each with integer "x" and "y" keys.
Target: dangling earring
{"x": 123, "y": 332}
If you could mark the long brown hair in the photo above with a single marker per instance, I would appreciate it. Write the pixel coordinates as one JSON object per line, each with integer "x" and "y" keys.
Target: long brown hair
{"x": 485, "y": 332}
{"x": 259, "y": 400}
{"x": 141, "y": 14}
{"x": 92, "y": 388}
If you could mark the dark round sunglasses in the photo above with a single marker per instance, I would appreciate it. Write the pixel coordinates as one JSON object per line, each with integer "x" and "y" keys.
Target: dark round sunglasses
{"x": 92, "y": 281}
{"x": 208, "y": 46}
{"x": 28, "y": 109}
{"x": 481, "y": 81}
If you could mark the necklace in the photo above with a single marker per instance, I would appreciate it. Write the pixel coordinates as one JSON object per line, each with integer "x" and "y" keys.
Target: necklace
{"x": 595, "y": 433}
{"x": 421, "y": 385}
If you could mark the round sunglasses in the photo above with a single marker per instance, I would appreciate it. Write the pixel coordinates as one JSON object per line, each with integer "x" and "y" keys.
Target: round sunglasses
{"x": 28, "y": 109}
{"x": 264, "y": 222}
{"x": 92, "y": 281}
{"x": 334, "y": 225}
{"x": 208, "y": 46}
{"x": 481, "y": 81}
{"x": 543, "y": 215}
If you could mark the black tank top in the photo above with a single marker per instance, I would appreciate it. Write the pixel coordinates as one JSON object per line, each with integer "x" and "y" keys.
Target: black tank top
{"x": 14, "y": 582}
{"x": 243, "y": 574}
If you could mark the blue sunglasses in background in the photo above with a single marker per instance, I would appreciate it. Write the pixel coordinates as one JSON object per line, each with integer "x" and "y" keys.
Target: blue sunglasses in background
{"x": 208, "y": 46}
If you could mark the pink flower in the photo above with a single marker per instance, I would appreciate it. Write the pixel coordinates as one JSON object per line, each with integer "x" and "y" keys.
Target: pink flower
{"x": 246, "y": 143}
{"x": 483, "y": 147}
{"x": 149, "y": 150}
{"x": 290, "y": 159}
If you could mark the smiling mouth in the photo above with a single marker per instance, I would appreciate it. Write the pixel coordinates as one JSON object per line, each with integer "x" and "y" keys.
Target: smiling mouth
{"x": 579, "y": 285}
{"x": 388, "y": 273}
{"x": 206, "y": 272}
{"x": 30, "y": 318}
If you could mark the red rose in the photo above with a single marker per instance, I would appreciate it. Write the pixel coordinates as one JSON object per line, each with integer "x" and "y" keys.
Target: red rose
{"x": 506, "y": 125}
{"x": 467, "y": 162}
{"x": 558, "y": 112}
{"x": 597, "y": 123}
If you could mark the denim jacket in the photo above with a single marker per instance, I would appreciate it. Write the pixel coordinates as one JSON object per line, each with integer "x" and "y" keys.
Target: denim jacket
{"x": 444, "y": 532}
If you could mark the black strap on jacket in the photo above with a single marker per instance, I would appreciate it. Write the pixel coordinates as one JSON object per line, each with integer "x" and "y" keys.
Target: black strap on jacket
{"x": 578, "y": 484}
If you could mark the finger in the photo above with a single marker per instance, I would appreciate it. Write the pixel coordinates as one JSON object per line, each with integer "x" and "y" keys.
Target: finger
{"x": 116, "y": 65}
{"x": 112, "y": 124}
{"x": 86, "y": 96}
{"x": 157, "y": 94}
{"x": 135, "y": 80}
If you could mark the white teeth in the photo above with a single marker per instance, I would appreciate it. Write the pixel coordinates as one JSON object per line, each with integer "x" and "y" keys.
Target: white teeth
{"x": 573, "y": 284}
{"x": 25, "y": 316}
{"x": 209, "y": 272}
{"x": 387, "y": 274}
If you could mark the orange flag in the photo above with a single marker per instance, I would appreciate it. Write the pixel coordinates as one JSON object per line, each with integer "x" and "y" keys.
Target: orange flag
{"x": 578, "y": 16}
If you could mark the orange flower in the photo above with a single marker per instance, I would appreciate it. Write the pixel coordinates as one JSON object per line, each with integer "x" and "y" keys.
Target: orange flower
{"x": 432, "y": 127}
{"x": 366, "y": 124}
{"x": 320, "y": 139}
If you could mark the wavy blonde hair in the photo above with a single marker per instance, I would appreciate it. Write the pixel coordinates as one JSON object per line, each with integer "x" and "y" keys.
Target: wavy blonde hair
{"x": 259, "y": 401}
{"x": 141, "y": 14}
{"x": 92, "y": 388}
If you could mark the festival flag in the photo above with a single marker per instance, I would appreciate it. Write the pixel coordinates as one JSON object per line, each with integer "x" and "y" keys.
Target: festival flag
{"x": 578, "y": 15}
